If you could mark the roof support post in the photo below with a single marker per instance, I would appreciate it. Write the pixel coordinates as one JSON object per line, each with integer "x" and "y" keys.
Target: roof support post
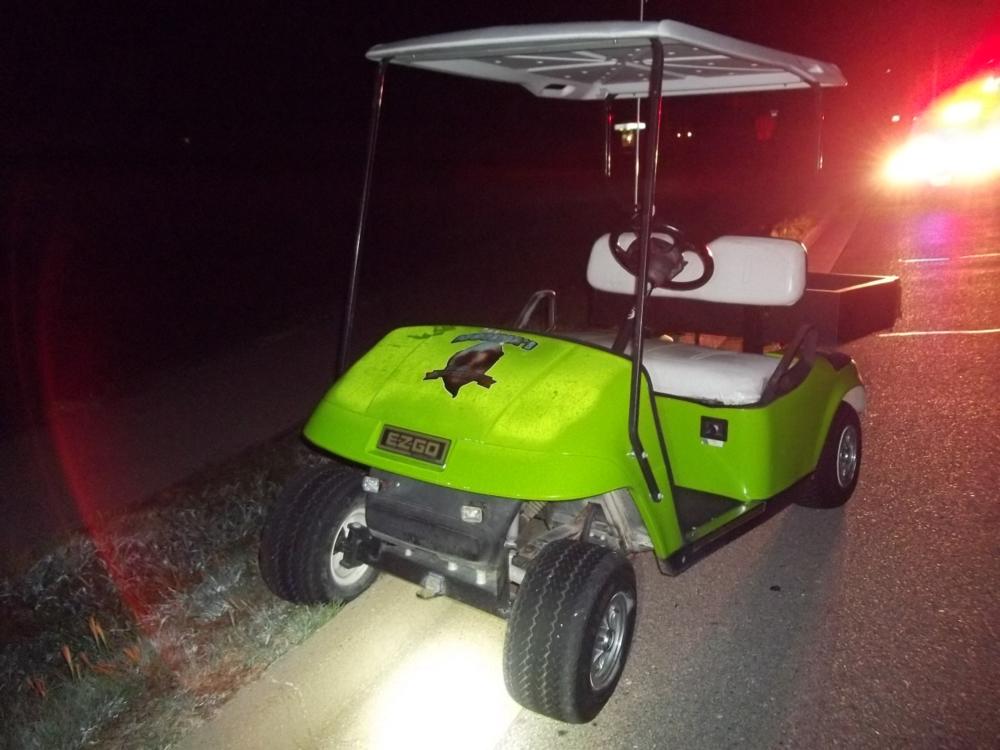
{"x": 609, "y": 124}
{"x": 653, "y": 118}
{"x": 343, "y": 349}
{"x": 818, "y": 94}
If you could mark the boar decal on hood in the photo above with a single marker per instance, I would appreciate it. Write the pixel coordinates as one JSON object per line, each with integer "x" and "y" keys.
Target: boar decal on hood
{"x": 470, "y": 364}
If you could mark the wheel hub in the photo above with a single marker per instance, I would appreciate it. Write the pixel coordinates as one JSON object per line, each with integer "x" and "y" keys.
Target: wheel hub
{"x": 609, "y": 645}
{"x": 343, "y": 575}
{"x": 847, "y": 456}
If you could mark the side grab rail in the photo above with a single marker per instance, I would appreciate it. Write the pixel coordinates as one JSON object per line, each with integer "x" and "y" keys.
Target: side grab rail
{"x": 802, "y": 350}
{"x": 528, "y": 311}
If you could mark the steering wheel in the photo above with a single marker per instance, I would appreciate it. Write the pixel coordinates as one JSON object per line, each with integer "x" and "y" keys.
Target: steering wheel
{"x": 666, "y": 259}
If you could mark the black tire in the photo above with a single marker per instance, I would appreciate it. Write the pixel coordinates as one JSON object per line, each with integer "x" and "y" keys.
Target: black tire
{"x": 550, "y": 654}
{"x": 297, "y": 554}
{"x": 839, "y": 467}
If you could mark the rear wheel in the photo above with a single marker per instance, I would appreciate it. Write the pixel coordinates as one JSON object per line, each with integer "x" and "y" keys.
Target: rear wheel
{"x": 836, "y": 475}
{"x": 301, "y": 548}
{"x": 570, "y": 630}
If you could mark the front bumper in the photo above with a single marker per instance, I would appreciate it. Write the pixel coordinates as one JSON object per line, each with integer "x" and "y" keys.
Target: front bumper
{"x": 416, "y": 531}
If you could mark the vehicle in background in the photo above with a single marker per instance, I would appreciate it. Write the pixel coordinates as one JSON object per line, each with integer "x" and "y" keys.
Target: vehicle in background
{"x": 954, "y": 141}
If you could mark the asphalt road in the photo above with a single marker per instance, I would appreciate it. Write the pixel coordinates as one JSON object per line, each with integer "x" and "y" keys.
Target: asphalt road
{"x": 870, "y": 626}
{"x": 875, "y": 625}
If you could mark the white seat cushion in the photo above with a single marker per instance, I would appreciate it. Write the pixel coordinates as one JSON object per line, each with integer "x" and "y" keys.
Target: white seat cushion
{"x": 699, "y": 372}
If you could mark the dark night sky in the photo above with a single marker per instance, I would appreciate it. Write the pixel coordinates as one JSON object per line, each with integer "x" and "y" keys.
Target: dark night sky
{"x": 290, "y": 77}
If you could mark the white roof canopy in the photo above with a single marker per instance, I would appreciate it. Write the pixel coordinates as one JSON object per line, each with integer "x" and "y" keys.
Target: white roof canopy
{"x": 594, "y": 60}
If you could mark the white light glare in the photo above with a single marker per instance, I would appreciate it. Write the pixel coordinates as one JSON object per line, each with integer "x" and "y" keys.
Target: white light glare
{"x": 940, "y": 159}
{"x": 962, "y": 112}
{"x": 446, "y": 695}
{"x": 626, "y": 126}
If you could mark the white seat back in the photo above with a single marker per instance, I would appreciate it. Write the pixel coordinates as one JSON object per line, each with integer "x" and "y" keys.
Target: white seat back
{"x": 748, "y": 271}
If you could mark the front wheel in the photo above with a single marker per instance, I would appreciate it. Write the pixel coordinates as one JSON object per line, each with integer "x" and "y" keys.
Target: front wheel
{"x": 570, "y": 630}
{"x": 836, "y": 475}
{"x": 301, "y": 547}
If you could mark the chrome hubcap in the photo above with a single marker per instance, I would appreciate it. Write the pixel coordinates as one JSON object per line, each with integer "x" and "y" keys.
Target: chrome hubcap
{"x": 847, "y": 456}
{"x": 609, "y": 646}
{"x": 342, "y": 575}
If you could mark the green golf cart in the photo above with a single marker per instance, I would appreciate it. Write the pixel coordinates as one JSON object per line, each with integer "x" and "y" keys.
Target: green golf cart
{"x": 518, "y": 469}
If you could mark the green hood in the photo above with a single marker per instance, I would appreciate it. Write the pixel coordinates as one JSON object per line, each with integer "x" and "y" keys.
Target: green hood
{"x": 527, "y": 415}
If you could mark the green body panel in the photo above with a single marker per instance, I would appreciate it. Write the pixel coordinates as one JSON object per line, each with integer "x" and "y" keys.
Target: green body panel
{"x": 768, "y": 449}
{"x": 547, "y": 419}
{"x": 553, "y": 426}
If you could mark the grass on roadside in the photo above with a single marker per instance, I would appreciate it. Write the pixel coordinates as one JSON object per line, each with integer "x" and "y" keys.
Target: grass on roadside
{"x": 795, "y": 227}
{"x": 133, "y": 639}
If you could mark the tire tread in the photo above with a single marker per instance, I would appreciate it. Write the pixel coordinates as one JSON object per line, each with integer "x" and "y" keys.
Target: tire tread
{"x": 541, "y": 650}
{"x": 292, "y": 540}
{"x": 821, "y": 489}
